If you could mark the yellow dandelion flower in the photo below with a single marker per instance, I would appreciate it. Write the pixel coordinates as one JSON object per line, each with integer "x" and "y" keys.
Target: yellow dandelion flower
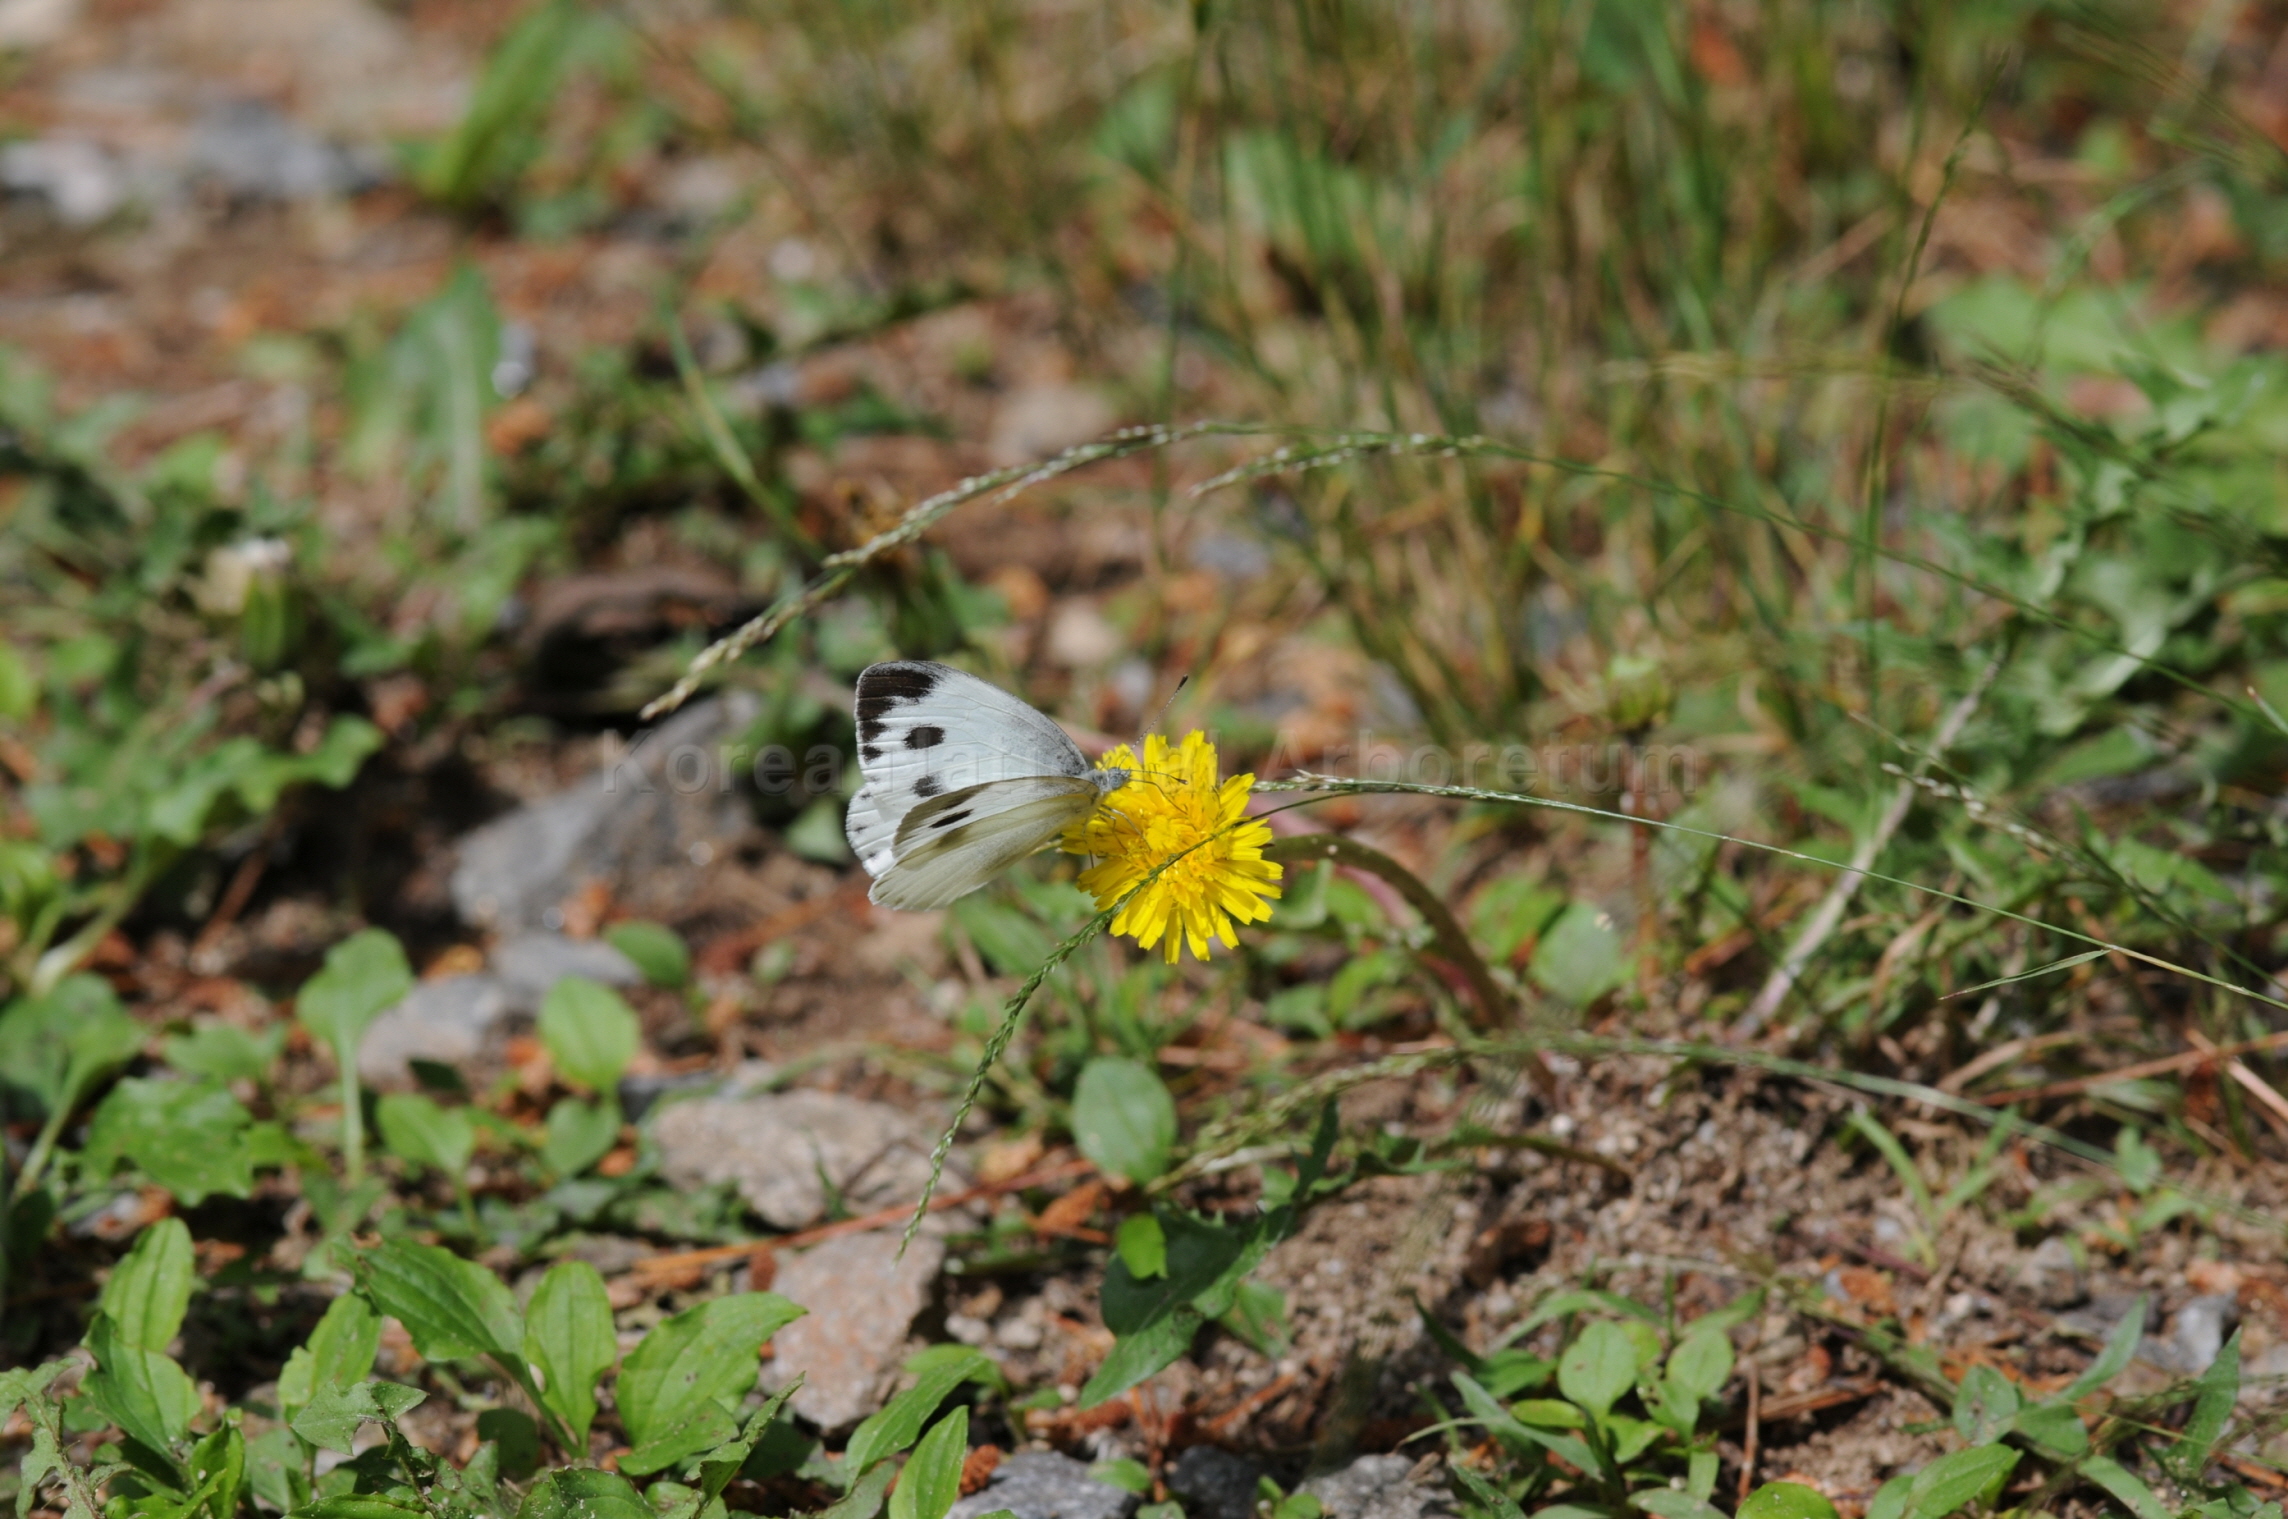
{"x": 1173, "y": 808}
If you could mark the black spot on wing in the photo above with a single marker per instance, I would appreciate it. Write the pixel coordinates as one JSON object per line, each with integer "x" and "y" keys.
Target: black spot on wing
{"x": 948, "y": 819}
{"x": 926, "y": 736}
{"x": 896, "y": 682}
{"x": 928, "y": 786}
{"x": 869, "y": 753}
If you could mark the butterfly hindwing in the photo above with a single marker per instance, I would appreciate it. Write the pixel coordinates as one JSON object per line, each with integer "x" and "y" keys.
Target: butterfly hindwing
{"x": 966, "y": 838}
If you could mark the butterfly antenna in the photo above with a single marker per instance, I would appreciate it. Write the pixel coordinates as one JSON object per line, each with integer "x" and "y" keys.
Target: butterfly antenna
{"x": 1181, "y": 682}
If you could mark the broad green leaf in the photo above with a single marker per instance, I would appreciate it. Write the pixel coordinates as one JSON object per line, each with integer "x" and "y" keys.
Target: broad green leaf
{"x": 142, "y": 1391}
{"x": 1701, "y": 1363}
{"x": 1142, "y": 1353}
{"x": 55, "y": 1049}
{"x": 1786, "y": 1500}
{"x": 931, "y": 1481}
{"x": 1142, "y": 1246}
{"x": 568, "y": 1338}
{"x": 573, "y": 1493}
{"x": 2053, "y": 1429}
{"x": 188, "y": 1136}
{"x": 1890, "y": 1500}
{"x": 277, "y": 1469}
{"x": 590, "y": 1032}
{"x": 364, "y": 976}
{"x": 677, "y": 1389}
{"x": 226, "y": 1053}
{"x": 1259, "y": 1316}
{"x": 418, "y": 1130}
{"x": 456, "y": 1310}
{"x": 330, "y": 1421}
{"x": 1580, "y": 956}
{"x": 151, "y": 1287}
{"x": 218, "y": 1466}
{"x": 1518, "y": 1436}
{"x": 1123, "y": 1118}
{"x": 864, "y": 1500}
{"x": 2126, "y": 1487}
{"x": 1674, "y": 1503}
{"x": 2214, "y": 1396}
{"x": 1985, "y": 1407}
{"x": 1599, "y": 1366}
{"x": 579, "y": 1134}
{"x": 720, "y": 1465}
{"x": 339, "y": 1352}
{"x": 2120, "y": 1346}
{"x": 361, "y": 1506}
{"x": 1956, "y": 1479}
{"x": 900, "y": 1421}
{"x": 1123, "y": 1472}
{"x": 657, "y": 950}
{"x": 1205, "y": 1263}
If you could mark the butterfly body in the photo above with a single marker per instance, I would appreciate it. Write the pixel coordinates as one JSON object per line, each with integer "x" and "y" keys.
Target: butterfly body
{"x": 963, "y": 780}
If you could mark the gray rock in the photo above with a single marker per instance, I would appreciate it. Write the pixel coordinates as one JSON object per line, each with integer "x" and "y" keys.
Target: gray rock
{"x": 1040, "y": 1484}
{"x": 1214, "y": 1483}
{"x": 783, "y": 1150}
{"x": 1379, "y": 1487}
{"x": 445, "y": 1021}
{"x": 2195, "y": 1336}
{"x": 667, "y": 801}
{"x": 81, "y": 181}
{"x": 862, "y": 1298}
{"x": 251, "y": 151}
{"x": 530, "y": 965}
{"x": 2051, "y": 1275}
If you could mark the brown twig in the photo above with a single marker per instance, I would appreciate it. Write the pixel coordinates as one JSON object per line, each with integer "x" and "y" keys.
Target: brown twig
{"x": 2268, "y": 1098}
{"x": 1754, "y": 1435}
{"x": 2001, "y": 1055}
{"x": 2160, "y": 1067}
{"x": 672, "y": 1262}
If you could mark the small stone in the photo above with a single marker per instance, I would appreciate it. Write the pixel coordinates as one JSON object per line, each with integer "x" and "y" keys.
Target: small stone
{"x": 861, "y": 1298}
{"x": 2195, "y": 1336}
{"x": 1215, "y": 1484}
{"x": 1038, "y": 1484}
{"x": 251, "y": 151}
{"x": 530, "y": 965}
{"x": 647, "y": 811}
{"x": 80, "y": 181}
{"x": 783, "y": 1150}
{"x": 1379, "y": 1487}
{"x": 2051, "y": 1275}
{"x": 446, "y": 1022}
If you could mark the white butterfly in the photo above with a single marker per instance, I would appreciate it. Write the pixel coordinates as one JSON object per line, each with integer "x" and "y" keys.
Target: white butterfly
{"x": 963, "y": 780}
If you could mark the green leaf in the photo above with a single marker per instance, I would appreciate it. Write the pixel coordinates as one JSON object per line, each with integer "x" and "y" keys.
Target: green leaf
{"x": 55, "y": 1049}
{"x": 1599, "y": 1366}
{"x": 364, "y": 976}
{"x": 142, "y": 1391}
{"x": 1701, "y": 1363}
{"x": 572, "y": 1493}
{"x": 150, "y": 1289}
{"x": 900, "y": 1421}
{"x": 226, "y": 1053}
{"x": 361, "y": 1506}
{"x": 1954, "y": 1480}
{"x": 2125, "y": 1486}
{"x": 331, "y": 1419}
{"x": 1142, "y": 1246}
{"x": 1123, "y": 1472}
{"x": 188, "y": 1136}
{"x": 456, "y": 1310}
{"x": 515, "y": 1439}
{"x": 657, "y": 950}
{"x": 590, "y": 1032}
{"x": 1152, "y": 1349}
{"x": 1890, "y": 1500}
{"x": 1986, "y": 1406}
{"x": 2053, "y": 1429}
{"x": 864, "y": 1500}
{"x": 2214, "y": 1396}
{"x": 1580, "y": 957}
{"x": 1258, "y": 1316}
{"x": 569, "y": 1340}
{"x": 1123, "y": 1118}
{"x": 579, "y": 1134}
{"x": 218, "y": 1465}
{"x": 931, "y": 1482}
{"x": 339, "y": 1352}
{"x": 1489, "y": 1497}
{"x": 677, "y": 1389}
{"x": 1674, "y": 1503}
{"x": 418, "y": 1130}
{"x": 2120, "y": 1346}
{"x": 1786, "y": 1500}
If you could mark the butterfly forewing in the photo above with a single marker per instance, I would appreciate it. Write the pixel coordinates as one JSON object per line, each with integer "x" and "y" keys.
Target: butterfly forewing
{"x": 994, "y": 826}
